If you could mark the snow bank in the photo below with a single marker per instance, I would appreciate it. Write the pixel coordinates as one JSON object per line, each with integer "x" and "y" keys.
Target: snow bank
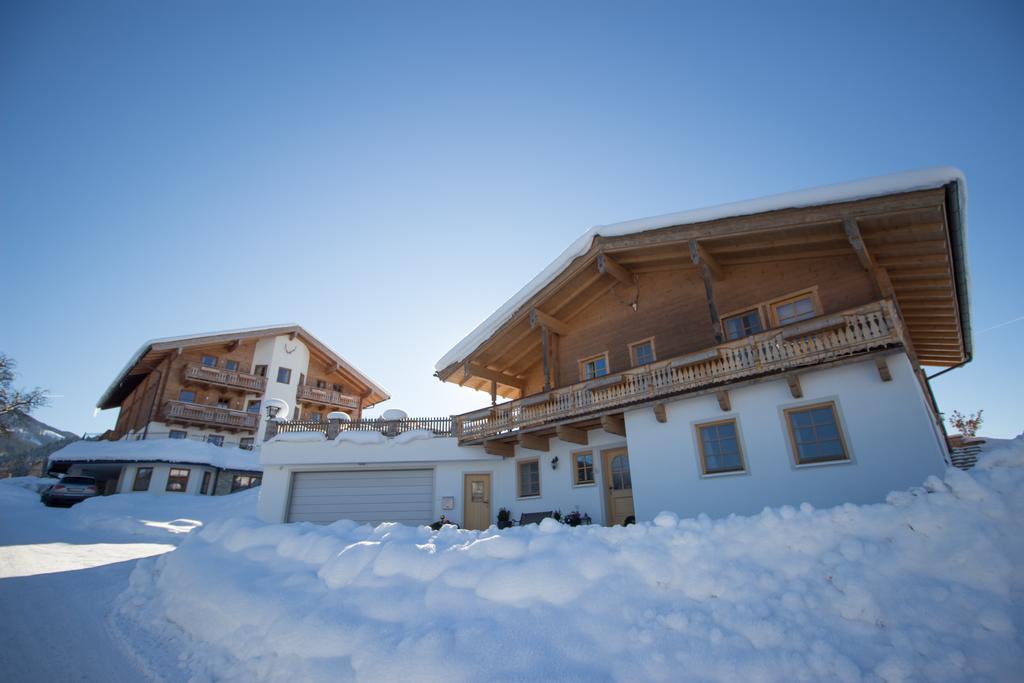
{"x": 926, "y": 586}
{"x": 861, "y": 189}
{"x": 160, "y": 450}
{"x": 151, "y": 515}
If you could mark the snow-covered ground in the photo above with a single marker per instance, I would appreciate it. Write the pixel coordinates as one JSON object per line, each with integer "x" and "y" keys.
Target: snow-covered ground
{"x": 928, "y": 586}
{"x": 62, "y": 569}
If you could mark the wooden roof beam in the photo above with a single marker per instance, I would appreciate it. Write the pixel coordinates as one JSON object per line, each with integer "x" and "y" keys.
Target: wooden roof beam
{"x": 475, "y": 370}
{"x": 539, "y": 318}
{"x": 609, "y": 266}
{"x": 701, "y": 258}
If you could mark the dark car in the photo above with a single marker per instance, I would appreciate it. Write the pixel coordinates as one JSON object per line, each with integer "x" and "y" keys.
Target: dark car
{"x": 69, "y": 490}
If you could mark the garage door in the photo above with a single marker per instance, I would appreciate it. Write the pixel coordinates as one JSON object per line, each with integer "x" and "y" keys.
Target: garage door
{"x": 374, "y": 496}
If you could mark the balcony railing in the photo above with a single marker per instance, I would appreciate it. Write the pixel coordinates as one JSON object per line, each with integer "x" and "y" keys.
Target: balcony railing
{"x": 440, "y": 426}
{"x": 801, "y": 344}
{"x": 196, "y": 413}
{"x": 195, "y": 372}
{"x": 327, "y": 397}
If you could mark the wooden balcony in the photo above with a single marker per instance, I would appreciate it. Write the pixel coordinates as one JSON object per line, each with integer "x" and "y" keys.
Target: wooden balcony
{"x": 800, "y": 345}
{"x": 327, "y": 397}
{"x": 243, "y": 381}
{"x": 210, "y": 416}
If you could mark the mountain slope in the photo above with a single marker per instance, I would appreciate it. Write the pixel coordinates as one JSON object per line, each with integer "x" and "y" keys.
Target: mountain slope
{"x": 28, "y": 443}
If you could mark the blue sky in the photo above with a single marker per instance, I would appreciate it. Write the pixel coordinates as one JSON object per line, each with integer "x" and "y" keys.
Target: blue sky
{"x": 387, "y": 174}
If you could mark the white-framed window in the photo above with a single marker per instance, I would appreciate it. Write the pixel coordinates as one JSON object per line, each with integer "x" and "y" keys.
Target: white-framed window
{"x": 594, "y": 366}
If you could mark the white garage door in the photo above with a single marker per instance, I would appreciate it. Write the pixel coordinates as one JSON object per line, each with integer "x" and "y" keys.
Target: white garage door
{"x": 374, "y": 496}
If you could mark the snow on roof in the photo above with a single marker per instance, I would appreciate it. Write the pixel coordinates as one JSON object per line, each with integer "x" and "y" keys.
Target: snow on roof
{"x": 159, "y": 450}
{"x": 923, "y": 179}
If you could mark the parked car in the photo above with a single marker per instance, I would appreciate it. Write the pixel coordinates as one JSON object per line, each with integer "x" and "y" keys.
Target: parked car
{"x": 69, "y": 490}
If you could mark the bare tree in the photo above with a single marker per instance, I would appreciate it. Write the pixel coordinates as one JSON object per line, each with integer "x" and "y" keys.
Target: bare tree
{"x": 967, "y": 425}
{"x": 16, "y": 400}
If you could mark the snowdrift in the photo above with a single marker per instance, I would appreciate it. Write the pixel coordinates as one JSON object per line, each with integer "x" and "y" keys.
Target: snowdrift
{"x": 926, "y": 586}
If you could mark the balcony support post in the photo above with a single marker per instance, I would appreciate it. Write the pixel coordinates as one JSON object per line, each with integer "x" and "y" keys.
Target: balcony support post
{"x": 545, "y": 349}
{"x": 696, "y": 252}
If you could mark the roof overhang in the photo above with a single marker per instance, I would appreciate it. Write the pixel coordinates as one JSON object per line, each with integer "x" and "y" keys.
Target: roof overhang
{"x": 914, "y": 222}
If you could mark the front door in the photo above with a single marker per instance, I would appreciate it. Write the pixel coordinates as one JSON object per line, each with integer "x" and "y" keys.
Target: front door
{"x": 618, "y": 485}
{"x": 477, "y": 505}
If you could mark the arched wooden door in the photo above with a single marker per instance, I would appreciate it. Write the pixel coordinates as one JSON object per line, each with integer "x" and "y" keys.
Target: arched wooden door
{"x": 618, "y": 486}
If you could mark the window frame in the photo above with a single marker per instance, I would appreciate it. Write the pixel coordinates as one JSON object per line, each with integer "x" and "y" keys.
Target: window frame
{"x": 171, "y": 476}
{"x": 632, "y": 352}
{"x": 202, "y": 360}
{"x": 149, "y": 478}
{"x": 182, "y": 392}
{"x": 251, "y": 477}
{"x": 247, "y": 443}
{"x": 702, "y": 462}
{"x": 583, "y": 363}
{"x": 791, "y": 436}
{"x": 809, "y": 293}
{"x": 205, "y": 485}
{"x": 229, "y": 363}
{"x": 519, "y": 478}
{"x": 259, "y": 370}
{"x": 218, "y": 439}
{"x": 576, "y": 470}
{"x": 284, "y": 369}
{"x": 742, "y": 312}
{"x": 171, "y": 434}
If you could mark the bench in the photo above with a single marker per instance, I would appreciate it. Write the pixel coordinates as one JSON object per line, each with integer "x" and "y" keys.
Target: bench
{"x": 534, "y": 517}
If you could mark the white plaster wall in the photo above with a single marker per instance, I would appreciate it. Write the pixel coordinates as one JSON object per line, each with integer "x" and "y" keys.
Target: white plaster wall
{"x": 887, "y": 426}
{"x": 158, "y": 482}
{"x": 161, "y": 430}
{"x": 450, "y": 463}
{"x": 273, "y": 352}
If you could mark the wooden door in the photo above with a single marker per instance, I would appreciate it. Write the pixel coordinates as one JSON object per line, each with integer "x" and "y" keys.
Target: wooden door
{"x": 476, "y": 513}
{"x": 618, "y": 486}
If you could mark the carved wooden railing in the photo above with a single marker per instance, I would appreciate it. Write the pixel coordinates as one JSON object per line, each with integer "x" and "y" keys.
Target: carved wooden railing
{"x": 328, "y": 397}
{"x": 228, "y": 378}
{"x": 801, "y": 344}
{"x": 210, "y": 415}
{"x": 440, "y": 426}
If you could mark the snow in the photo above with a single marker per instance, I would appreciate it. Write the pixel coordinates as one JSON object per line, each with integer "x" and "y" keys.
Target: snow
{"x": 861, "y": 189}
{"x": 159, "y": 450}
{"x": 927, "y": 586}
{"x": 62, "y": 569}
{"x": 299, "y": 437}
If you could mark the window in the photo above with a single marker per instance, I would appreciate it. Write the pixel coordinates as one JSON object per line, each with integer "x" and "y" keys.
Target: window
{"x": 260, "y": 371}
{"x": 224, "y": 403}
{"x": 315, "y": 417}
{"x": 178, "y": 434}
{"x": 720, "y": 448}
{"x": 240, "y": 482}
{"x": 595, "y": 366}
{"x": 215, "y": 439}
{"x": 320, "y": 384}
{"x": 814, "y": 433}
{"x": 187, "y": 396}
{"x": 210, "y": 361}
{"x": 231, "y": 365}
{"x": 529, "y": 478}
{"x": 642, "y": 352}
{"x": 795, "y": 308}
{"x": 284, "y": 375}
{"x": 206, "y": 483}
{"x": 583, "y": 468}
{"x": 742, "y": 324}
{"x": 143, "y": 475}
{"x": 253, "y": 407}
{"x": 246, "y": 443}
{"x": 338, "y": 388}
{"x": 177, "y": 479}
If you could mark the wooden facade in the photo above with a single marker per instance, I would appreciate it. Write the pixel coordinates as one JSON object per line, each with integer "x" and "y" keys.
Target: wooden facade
{"x": 213, "y": 382}
{"x": 891, "y": 257}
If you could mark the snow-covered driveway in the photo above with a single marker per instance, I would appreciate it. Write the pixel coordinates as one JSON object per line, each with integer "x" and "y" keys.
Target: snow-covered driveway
{"x": 60, "y": 572}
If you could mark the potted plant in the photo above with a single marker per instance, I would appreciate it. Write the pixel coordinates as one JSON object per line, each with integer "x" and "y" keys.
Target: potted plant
{"x": 504, "y": 518}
